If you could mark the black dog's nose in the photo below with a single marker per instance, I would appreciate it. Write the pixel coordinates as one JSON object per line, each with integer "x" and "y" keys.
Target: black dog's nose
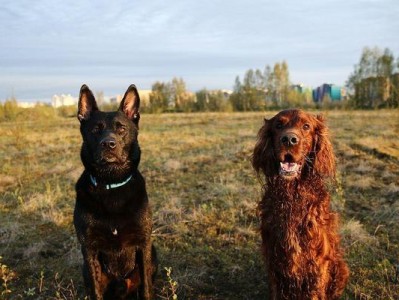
{"x": 108, "y": 143}
{"x": 289, "y": 139}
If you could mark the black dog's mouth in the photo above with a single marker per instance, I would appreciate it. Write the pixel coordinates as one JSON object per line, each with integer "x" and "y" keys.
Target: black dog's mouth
{"x": 110, "y": 168}
{"x": 107, "y": 160}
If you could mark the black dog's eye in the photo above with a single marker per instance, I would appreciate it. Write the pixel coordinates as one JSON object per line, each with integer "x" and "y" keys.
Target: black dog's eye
{"x": 98, "y": 128}
{"x": 306, "y": 127}
{"x": 279, "y": 125}
{"x": 120, "y": 128}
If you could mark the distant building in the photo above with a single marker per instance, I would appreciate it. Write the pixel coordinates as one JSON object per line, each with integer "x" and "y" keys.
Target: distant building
{"x": 304, "y": 92}
{"x": 63, "y": 100}
{"x": 301, "y": 88}
{"x": 26, "y": 104}
{"x": 298, "y": 88}
{"x": 328, "y": 91}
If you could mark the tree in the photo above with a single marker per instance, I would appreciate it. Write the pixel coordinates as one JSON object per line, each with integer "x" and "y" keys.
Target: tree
{"x": 277, "y": 84}
{"x": 259, "y": 80}
{"x": 372, "y": 82}
{"x": 181, "y": 98}
{"x": 159, "y": 97}
{"x": 269, "y": 83}
{"x": 171, "y": 96}
{"x": 284, "y": 82}
{"x": 237, "y": 98}
{"x": 250, "y": 95}
{"x": 217, "y": 101}
{"x": 237, "y": 84}
{"x": 100, "y": 98}
{"x": 10, "y": 109}
{"x": 261, "y": 88}
{"x": 248, "y": 90}
{"x": 201, "y": 100}
{"x": 373, "y": 63}
{"x": 385, "y": 64}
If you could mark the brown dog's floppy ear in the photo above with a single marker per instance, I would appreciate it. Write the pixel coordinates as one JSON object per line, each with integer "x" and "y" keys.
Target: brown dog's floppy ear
{"x": 324, "y": 162}
{"x": 262, "y": 158}
{"x": 130, "y": 104}
{"x": 87, "y": 103}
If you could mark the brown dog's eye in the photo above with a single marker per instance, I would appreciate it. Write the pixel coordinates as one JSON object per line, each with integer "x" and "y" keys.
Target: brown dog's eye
{"x": 306, "y": 127}
{"x": 279, "y": 125}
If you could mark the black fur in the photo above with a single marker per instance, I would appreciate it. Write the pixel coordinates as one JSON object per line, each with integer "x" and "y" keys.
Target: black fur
{"x": 113, "y": 225}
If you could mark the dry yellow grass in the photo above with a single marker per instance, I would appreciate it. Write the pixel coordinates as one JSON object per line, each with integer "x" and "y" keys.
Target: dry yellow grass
{"x": 204, "y": 196}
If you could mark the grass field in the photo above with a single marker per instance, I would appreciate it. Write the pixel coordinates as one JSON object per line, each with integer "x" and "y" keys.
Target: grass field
{"x": 204, "y": 196}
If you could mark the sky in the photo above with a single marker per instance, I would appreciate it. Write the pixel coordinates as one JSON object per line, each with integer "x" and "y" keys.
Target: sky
{"x": 52, "y": 47}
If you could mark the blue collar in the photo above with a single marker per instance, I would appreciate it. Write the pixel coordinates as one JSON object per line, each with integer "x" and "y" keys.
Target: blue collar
{"x": 112, "y": 185}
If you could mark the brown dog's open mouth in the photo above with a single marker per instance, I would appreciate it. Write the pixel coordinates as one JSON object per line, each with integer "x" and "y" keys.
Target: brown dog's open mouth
{"x": 289, "y": 169}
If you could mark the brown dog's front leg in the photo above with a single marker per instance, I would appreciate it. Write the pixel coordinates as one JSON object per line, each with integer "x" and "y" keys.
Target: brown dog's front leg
{"x": 94, "y": 274}
{"x": 146, "y": 271}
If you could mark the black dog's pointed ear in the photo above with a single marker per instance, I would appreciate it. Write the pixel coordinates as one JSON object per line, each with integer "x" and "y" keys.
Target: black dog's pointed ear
{"x": 130, "y": 104}
{"x": 87, "y": 103}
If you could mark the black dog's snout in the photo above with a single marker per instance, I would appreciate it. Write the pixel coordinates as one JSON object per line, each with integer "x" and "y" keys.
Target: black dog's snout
{"x": 109, "y": 143}
{"x": 289, "y": 139}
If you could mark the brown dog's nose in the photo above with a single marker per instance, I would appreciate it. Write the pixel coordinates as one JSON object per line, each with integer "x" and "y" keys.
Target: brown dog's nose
{"x": 108, "y": 143}
{"x": 289, "y": 139}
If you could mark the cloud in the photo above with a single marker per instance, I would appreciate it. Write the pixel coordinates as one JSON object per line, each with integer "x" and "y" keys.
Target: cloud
{"x": 206, "y": 42}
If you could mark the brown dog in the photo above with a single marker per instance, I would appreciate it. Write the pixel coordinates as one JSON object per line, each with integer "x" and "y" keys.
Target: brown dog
{"x": 299, "y": 232}
{"x": 112, "y": 215}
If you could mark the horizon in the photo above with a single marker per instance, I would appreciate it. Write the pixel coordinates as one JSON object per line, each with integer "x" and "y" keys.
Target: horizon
{"x": 50, "y": 49}
{"x": 107, "y": 98}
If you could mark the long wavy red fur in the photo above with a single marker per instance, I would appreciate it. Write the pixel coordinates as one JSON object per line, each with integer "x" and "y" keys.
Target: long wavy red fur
{"x": 300, "y": 243}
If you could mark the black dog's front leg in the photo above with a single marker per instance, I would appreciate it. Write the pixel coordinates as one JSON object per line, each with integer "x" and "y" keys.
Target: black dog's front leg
{"x": 145, "y": 262}
{"x": 92, "y": 275}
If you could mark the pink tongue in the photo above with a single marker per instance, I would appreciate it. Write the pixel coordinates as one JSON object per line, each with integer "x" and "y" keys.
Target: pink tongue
{"x": 288, "y": 167}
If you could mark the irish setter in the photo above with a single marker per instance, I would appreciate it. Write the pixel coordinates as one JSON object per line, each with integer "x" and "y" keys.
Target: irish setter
{"x": 299, "y": 232}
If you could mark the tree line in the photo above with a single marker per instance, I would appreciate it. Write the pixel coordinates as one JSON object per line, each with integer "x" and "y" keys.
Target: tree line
{"x": 173, "y": 97}
{"x": 374, "y": 83}
{"x": 268, "y": 89}
{"x": 259, "y": 90}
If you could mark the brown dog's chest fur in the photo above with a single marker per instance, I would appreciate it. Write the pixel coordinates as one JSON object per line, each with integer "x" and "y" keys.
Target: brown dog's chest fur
{"x": 297, "y": 230}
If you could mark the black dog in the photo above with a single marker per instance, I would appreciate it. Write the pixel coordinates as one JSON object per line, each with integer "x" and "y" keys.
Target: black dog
{"x": 112, "y": 216}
